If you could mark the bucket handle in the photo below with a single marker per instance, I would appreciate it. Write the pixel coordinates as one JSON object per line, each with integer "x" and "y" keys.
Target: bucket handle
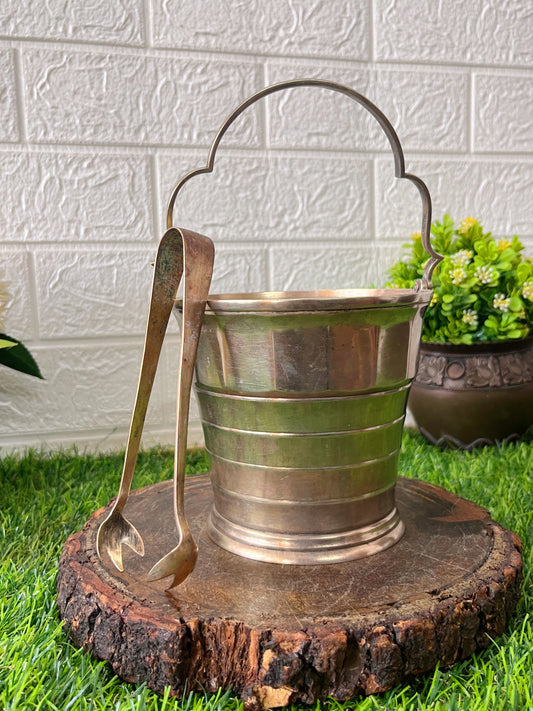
{"x": 399, "y": 161}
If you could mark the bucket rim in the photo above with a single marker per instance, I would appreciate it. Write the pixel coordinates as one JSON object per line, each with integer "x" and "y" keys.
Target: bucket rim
{"x": 323, "y": 300}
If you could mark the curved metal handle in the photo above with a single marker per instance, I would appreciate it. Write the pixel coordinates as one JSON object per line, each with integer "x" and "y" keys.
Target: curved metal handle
{"x": 399, "y": 161}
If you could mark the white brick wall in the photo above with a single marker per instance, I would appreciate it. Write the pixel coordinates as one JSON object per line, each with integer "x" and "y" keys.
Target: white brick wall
{"x": 104, "y": 105}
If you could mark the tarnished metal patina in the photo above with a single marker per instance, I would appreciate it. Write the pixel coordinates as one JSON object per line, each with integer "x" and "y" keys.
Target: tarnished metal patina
{"x": 180, "y": 252}
{"x": 302, "y": 398}
{"x": 116, "y": 530}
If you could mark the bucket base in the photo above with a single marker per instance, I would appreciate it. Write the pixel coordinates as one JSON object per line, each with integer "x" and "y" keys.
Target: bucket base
{"x": 305, "y": 549}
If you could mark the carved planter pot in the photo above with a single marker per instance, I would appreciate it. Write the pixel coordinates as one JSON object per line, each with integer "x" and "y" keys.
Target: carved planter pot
{"x": 470, "y": 396}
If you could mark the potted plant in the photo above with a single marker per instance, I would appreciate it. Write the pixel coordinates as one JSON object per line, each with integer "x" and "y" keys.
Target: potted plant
{"x": 474, "y": 383}
{"x": 14, "y": 354}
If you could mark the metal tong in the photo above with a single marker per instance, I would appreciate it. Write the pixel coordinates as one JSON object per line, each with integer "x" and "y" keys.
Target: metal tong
{"x": 198, "y": 253}
{"x": 179, "y": 250}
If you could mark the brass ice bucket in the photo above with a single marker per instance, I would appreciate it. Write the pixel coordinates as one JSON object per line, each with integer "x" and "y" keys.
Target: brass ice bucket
{"x": 302, "y": 398}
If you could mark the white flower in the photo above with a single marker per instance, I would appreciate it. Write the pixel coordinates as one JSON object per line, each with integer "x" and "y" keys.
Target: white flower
{"x": 457, "y": 275}
{"x": 501, "y": 302}
{"x": 527, "y": 290}
{"x": 461, "y": 258}
{"x": 485, "y": 274}
{"x": 470, "y": 317}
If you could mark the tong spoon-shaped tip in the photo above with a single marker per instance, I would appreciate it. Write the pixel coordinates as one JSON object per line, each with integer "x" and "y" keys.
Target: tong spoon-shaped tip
{"x": 198, "y": 257}
{"x": 117, "y": 530}
{"x": 179, "y": 562}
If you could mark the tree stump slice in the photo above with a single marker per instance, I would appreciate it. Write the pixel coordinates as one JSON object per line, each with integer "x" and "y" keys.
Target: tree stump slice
{"x": 282, "y": 634}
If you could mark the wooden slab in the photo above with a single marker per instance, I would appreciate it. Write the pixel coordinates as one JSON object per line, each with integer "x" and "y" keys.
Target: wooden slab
{"x": 281, "y": 634}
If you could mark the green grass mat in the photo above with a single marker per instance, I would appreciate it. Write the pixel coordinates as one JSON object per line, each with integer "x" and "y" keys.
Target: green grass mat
{"x": 46, "y": 497}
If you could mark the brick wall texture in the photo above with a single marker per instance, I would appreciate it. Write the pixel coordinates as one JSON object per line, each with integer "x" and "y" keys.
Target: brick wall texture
{"x": 105, "y": 105}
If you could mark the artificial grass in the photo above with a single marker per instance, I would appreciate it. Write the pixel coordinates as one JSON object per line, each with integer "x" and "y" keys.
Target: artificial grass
{"x": 48, "y": 496}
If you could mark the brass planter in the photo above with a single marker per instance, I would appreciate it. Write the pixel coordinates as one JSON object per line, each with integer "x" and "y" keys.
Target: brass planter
{"x": 470, "y": 396}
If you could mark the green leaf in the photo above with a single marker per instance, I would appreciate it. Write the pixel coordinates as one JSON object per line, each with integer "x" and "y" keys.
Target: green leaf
{"x": 517, "y": 245}
{"x": 523, "y": 272}
{"x": 515, "y": 333}
{"x": 6, "y": 344}
{"x": 18, "y": 357}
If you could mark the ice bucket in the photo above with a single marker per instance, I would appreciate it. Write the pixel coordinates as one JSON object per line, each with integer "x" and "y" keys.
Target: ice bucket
{"x": 302, "y": 398}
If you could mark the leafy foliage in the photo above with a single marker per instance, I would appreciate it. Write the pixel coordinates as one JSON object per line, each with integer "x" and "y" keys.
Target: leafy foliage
{"x": 15, "y": 355}
{"x": 483, "y": 288}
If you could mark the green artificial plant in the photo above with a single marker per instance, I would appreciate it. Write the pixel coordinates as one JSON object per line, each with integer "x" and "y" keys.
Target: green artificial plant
{"x": 483, "y": 288}
{"x": 14, "y": 354}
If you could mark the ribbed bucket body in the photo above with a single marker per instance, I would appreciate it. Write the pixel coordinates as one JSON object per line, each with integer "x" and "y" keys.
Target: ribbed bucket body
{"x": 302, "y": 398}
